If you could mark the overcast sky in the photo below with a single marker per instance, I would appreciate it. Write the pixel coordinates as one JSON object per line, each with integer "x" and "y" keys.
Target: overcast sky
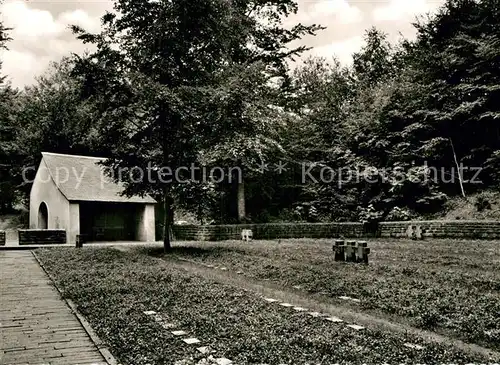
{"x": 41, "y": 32}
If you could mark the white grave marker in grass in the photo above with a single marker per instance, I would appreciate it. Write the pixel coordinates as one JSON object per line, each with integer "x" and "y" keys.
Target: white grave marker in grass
{"x": 191, "y": 341}
{"x": 356, "y": 327}
{"x": 270, "y": 300}
{"x": 204, "y": 349}
{"x": 223, "y": 361}
{"x": 334, "y": 319}
{"x": 315, "y": 314}
{"x": 413, "y": 346}
{"x": 167, "y": 325}
{"x": 179, "y": 333}
{"x": 349, "y": 298}
{"x": 246, "y": 234}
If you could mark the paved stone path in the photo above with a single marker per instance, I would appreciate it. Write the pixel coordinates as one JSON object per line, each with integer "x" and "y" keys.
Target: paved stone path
{"x": 36, "y": 326}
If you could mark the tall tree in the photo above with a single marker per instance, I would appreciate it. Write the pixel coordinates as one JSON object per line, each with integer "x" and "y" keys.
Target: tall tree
{"x": 374, "y": 62}
{"x": 160, "y": 75}
{"x": 8, "y": 148}
{"x": 51, "y": 116}
{"x": 454, "y": 63}
{"x": 322, "y": 92}
{"x": 258, "y": 78}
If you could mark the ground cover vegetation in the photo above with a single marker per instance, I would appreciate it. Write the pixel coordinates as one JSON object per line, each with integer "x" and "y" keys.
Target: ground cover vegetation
{"x": 142, "y": 96}
{"x": 113, "y": 288}
{"x": 447, "y": 286}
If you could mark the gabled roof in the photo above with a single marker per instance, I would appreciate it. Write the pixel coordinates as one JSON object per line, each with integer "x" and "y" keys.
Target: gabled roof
{"x": 80, "y": 178}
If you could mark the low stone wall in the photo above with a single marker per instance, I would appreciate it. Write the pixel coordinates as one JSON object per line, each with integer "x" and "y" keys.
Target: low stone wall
{"x": 269, "y": 231}
{"x": 428, "y": 229}
{"x": 2, "y": 238}
{"x": 443, "y": 229}
{"x": 42, "y": 236}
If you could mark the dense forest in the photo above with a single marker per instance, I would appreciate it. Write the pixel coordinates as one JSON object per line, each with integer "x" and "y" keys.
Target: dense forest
{"x": 393, "y": 136}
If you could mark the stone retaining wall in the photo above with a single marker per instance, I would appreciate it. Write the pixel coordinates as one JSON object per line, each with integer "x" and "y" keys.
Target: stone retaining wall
{"x": 42, "y": 236}
{"x": 268, "y": 231}
{"x": 444, "y": 229}
{"x": 430, "y": 229}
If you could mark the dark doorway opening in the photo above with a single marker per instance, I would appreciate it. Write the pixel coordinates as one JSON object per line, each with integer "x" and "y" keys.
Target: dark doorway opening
{"x": 43, "y": 216}
{"x": 100, "y": 221}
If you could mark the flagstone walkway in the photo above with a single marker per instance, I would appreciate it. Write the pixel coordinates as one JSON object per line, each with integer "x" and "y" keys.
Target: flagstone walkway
{"x": 36, "y": 325}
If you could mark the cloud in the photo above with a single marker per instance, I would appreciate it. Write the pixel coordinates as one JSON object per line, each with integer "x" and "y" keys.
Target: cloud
{"x": 32, "y": 24}
{"x": 41, "y": 31}
{"x": 342, "y": 11}
{"x": 23, "y": 66}
{"x": 403, "y": 9}
{"x": 39, "y": 38}
{"x": 82, "y": 19}
{"x": 342, "y": 50}
{"x": 334, "y": 11}
{"x": 27, "y": 23}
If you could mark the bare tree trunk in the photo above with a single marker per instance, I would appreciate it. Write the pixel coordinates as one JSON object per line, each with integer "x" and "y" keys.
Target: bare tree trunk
{"x": 172, "y": 216}
{"x": 167, "y": 219}
{"x": 167, "y": 201}
{"x": 241, "y": 201}
{"x": 460, "y": 177}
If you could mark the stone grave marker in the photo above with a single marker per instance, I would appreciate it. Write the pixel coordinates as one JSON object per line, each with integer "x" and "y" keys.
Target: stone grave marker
{"x": 338, "y": 249}
{"x": 417, "y": 233}
{"x": 191, "y": 341}
{"x": 351, "y": 251}
{"x": 409, "y": 231}
{"x": 334, "y": 319}
{"x": 179, "y": 333}
{"x": 246, "y": 234}
{"x": 362, "y": 252}
{"x": 356, "y": 327}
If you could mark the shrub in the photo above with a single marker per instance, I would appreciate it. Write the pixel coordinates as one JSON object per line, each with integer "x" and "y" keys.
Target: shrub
{"x": 399, "y": 214}
{"x": 482, "y": 203}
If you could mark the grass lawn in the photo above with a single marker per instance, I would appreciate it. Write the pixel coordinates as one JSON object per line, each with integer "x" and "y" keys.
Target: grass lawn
{"x": 447, "y": 286}
{"x": 112, "y": 289}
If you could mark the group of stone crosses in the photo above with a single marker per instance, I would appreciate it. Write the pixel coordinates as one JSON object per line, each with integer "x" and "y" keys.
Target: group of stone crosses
{"x": 351, "y": 251}
{"x": 414, "y": 232}
{"x": 246, "y": 234}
